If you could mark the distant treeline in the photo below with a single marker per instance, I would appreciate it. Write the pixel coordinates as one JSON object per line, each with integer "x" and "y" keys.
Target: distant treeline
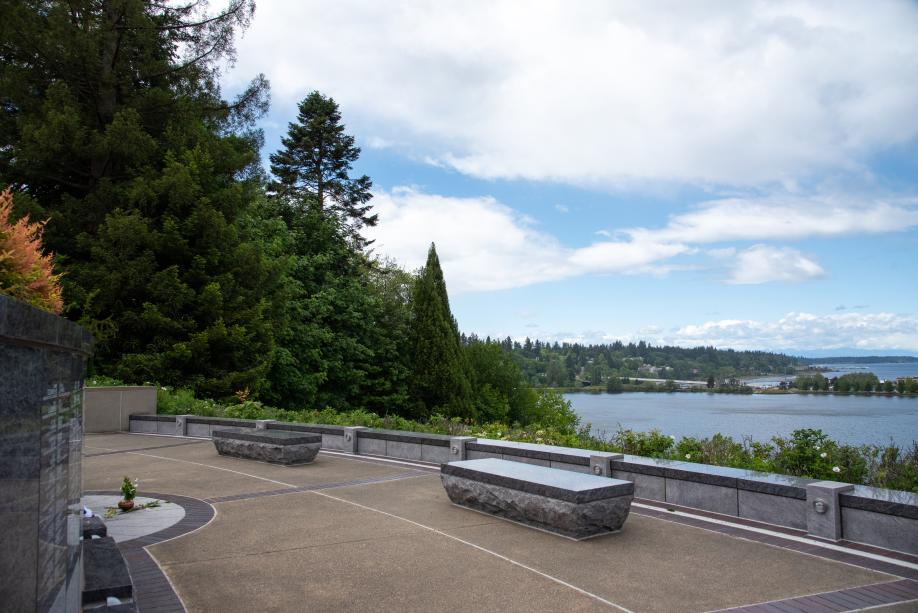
{"x": 568, "y": 364}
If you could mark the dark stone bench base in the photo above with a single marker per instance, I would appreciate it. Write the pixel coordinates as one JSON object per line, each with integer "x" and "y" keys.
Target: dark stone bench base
{"x": 537, "y": 496}
{"x": 104, "y": 572}
{"x": 276, "y": 447}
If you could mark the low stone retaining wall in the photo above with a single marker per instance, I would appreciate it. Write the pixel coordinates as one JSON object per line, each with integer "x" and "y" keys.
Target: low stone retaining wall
{"x": 109, "y": 409}
{"x": 828, "y": 510}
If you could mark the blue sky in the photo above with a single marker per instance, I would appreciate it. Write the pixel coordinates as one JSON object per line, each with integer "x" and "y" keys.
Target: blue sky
{"x": 736, "y": 174}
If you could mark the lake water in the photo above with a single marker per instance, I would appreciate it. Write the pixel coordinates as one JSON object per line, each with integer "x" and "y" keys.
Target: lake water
{"x": 847, "y": 419}
{"x": 882, "y": 370}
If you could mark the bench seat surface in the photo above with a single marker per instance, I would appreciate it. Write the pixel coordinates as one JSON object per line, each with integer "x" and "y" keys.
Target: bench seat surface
{"x": 540, "y": 480}
{"x": 271, "y": 437}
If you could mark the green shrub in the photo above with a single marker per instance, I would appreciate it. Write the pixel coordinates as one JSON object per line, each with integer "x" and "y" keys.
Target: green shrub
{"x": 806, "y": 453}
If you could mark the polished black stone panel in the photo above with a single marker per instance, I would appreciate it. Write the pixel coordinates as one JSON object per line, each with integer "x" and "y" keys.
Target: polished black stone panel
{"x": 400, "y": 436}
{"x": 43, "y": 361}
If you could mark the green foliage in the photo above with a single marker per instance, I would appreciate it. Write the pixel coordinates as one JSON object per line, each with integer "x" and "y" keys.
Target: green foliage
{"x": 857, "y": 382}
{"x": 814, "y": 383}
{"x": 114, "y": 128}
{"x": 128, "y": 489}
{"x": 801, "y": 454}
{"x": 183, "y": 402}
{"x": 314, "y": 166}
{"x": 439, "y": 372}
{"x": 649, "y": 444}
{"x": 103, "y": 381}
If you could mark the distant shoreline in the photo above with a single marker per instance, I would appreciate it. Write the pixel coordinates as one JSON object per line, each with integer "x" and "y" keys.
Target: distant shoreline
{"x": 595, "y": 389}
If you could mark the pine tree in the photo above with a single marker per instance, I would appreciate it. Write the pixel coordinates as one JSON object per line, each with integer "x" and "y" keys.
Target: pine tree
{"x": 315, "y": 163}
{"x": 439, "y": 372}
{"x": 343, "y": 342}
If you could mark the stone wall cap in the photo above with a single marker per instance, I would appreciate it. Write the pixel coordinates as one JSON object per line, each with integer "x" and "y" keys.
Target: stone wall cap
{"x": 540, "y": 480}
{"x": 22, "y": 323}
{"x": 297, "y": 427}
{"x": 402, "y": 436}
{"x": 221, "y": 421}
{"x": 879, "y": 500}
{"x": 536, "y": 451}
{"x": 151, "y": 417}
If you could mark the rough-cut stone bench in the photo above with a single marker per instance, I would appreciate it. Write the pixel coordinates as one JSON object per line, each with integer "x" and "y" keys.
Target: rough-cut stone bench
{"x": 275, "y": 446}
{"x": 572, "y": 504}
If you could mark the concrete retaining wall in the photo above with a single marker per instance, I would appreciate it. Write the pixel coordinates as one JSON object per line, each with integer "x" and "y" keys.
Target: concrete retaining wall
{"x": 108, "y": 409}
{"x": 883, "y": 518}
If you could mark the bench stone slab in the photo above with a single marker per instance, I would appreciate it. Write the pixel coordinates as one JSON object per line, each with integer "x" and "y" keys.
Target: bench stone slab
{"x": 275, "y": 446}
{"x": 571, "y": 504}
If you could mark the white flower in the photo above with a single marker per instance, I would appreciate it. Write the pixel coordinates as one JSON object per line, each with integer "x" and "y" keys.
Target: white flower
{"x": 817, "y": 447}
{"x": 836, "y": 469}
{"x": 823, "y": 454}
{"x": 688, "y": 456}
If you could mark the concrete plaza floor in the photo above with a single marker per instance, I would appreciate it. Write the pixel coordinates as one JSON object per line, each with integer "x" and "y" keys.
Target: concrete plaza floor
{"x": 355, "y": 534}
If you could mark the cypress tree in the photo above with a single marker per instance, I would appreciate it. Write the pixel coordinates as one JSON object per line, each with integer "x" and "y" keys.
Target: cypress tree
{"x": 439, "y": 373}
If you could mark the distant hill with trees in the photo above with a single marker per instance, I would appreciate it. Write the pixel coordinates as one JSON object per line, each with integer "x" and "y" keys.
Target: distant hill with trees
{"x": 568, "y": 364}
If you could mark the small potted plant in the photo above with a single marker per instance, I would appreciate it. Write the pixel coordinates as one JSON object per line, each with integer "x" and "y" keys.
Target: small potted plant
{"x": 128, "y": 490}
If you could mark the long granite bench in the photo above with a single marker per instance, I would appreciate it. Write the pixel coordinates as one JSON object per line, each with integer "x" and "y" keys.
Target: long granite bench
{"x": 275, "y": 446}
{"x": 571, "y": 504}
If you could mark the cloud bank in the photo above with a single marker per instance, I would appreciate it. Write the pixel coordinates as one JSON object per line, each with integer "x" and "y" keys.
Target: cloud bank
{"x": 484, "y": 245}
{"x": 593, "y": 92}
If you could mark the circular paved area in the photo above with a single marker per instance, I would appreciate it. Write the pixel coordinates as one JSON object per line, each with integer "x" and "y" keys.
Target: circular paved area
{"x": 138, "y": 522}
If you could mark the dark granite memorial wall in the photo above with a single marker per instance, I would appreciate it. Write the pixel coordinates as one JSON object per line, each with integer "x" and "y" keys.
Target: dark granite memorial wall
{"x": 42, "y": 366}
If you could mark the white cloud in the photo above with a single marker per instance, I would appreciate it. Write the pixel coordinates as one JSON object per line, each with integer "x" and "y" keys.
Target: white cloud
{"x": 594, "y": 92}
{"x": 802, "y": 331}
{"x": 763, "y": 264}
{"x": 484, "y": 245}
{"x": 786, "y": 217}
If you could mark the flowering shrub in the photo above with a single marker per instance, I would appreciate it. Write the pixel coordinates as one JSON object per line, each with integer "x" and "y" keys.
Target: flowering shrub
{"x": 26, "y": 273}
{"x": 128, "y": 488}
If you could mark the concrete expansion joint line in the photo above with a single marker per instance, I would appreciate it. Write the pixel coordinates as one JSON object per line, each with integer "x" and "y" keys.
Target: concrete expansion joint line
{"x": 552, "y": 578}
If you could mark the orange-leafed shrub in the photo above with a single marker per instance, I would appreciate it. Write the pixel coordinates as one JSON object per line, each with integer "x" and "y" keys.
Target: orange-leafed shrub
{"x": 26, "y": 273}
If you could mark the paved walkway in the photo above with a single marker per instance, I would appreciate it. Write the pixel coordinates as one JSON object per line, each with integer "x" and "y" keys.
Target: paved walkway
{"x": 352, "y": 534}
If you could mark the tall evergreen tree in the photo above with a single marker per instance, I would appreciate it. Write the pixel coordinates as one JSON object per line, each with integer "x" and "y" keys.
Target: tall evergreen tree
{"x": 343, "y": 342}
{"x": 314, "y": 166}
{"x": 438, "y": 368}
{"x": 113, "y": 127}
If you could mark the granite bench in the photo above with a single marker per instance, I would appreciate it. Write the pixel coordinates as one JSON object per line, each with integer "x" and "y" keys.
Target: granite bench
{"x": 105, "y": 573}
{"x": 275, "y": 446}
{"x": 572, "y": 504}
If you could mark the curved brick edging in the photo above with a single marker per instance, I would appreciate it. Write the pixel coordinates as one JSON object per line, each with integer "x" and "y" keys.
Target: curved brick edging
{"x": 152, "y": 591}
